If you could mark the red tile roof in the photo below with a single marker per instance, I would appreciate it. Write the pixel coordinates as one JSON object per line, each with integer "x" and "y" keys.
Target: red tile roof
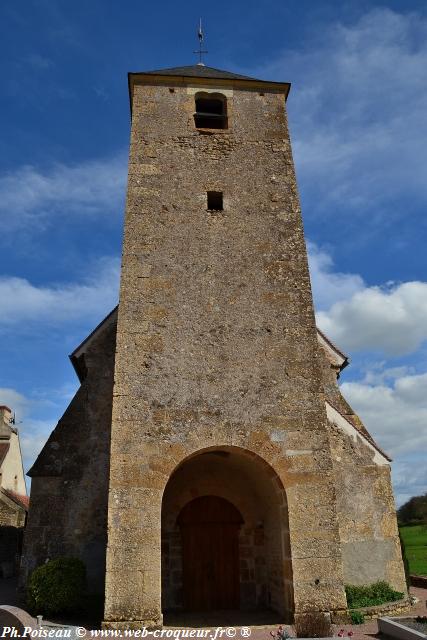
{"x": 23, "y": 501}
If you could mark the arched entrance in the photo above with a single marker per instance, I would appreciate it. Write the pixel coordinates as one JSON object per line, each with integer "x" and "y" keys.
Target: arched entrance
{"x": 209, "y": 528}
{"x": 225, "y": 535}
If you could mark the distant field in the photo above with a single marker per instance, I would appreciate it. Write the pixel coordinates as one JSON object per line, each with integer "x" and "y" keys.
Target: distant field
{"x": 415, "y": 539}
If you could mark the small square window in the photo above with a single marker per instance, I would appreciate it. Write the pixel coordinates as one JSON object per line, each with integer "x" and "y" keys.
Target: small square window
{"x": 215, "y": 201}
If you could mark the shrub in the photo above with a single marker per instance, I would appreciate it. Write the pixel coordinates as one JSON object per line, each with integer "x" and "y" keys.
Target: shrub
{"x": 357, "y": 617}
{"x": 370, "y": 595}
{"x": 313, "y": 625}
{"x": 57, "y": 586}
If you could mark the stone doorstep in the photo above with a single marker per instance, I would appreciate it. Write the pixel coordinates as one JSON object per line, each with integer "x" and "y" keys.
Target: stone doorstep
{"x": 394, "y": 629}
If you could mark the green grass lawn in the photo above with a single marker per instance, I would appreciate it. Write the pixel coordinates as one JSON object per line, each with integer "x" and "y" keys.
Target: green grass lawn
{"x": 415, "y": 540}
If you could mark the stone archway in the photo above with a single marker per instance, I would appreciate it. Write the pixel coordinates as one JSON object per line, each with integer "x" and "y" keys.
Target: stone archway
{"x": 256, "y": 496}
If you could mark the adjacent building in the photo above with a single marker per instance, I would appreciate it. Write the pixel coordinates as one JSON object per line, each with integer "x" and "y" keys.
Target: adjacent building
{"x": 14, "y": 501}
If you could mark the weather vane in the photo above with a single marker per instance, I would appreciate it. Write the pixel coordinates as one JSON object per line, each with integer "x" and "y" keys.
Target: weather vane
{"x": 201, "y": 37}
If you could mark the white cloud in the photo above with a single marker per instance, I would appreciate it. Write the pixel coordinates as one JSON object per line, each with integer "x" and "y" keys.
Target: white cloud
{"x": 38, "y": 62}
{"x": 33, "y": 435}
{"x": 379, "y": 373}
{"x": 29, "y": 196}
{"x": 395, "y": 415}
{"x": 25, "y": 304}
{"x": 357, "y": 112}
{"x": 392, "y": 319}
{"x": 329, "y": 286}
{"x": 14, "y": 400}
{"x": 33, "y": 432}
{"x": 391, "y": 400}
{"x": 33, "y": 429}
{"x": 409, "y": 478}
{"x": 413, "y": 390}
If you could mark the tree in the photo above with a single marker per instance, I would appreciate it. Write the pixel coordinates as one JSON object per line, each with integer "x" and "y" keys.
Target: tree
{"x": 413, "y": 511}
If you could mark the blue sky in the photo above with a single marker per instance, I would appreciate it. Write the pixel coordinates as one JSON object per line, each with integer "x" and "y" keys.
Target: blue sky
{"x": 357, "y": 112}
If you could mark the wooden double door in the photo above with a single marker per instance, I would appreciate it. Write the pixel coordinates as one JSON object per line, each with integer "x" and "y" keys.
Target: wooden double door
{"x": 210, "y": 554}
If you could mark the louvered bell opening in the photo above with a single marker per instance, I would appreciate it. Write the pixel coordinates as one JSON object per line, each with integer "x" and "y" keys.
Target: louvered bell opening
{"x": 210, "y": 113}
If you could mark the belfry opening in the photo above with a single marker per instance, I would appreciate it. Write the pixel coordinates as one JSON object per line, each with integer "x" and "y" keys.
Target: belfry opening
{"x": 225, "y": 539}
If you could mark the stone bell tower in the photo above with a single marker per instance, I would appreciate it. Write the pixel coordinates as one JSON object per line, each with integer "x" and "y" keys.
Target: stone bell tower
{"x": 219, "y": 429}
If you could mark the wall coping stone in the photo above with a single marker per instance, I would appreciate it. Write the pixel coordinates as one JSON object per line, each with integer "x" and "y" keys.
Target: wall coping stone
{"x": 395, "y": 629}
{"x": 370, "y": 613}
{"x": 17, "y": 618}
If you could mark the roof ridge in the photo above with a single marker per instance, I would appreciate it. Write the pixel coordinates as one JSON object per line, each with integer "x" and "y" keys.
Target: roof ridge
{"x": 203, "y": 71}
{"x": 198, "y": 69}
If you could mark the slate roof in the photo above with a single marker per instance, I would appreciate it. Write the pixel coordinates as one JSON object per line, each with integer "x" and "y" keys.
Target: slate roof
{"x": 199, "y": 71}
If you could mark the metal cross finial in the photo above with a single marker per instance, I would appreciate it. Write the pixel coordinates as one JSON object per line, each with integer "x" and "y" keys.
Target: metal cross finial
{"x": 201, "y": 37}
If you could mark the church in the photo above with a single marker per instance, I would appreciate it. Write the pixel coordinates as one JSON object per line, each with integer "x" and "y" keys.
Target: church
{"x": 208, "y": 461}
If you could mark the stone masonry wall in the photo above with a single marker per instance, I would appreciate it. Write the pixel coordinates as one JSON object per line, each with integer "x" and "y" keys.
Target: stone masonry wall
{"x": 366, "y": 514}
{"x": 216, "y": 340}
{"x": 365, "y": 503}
{"x": 11, "y": 515}
{"x": 68, "y": 507}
